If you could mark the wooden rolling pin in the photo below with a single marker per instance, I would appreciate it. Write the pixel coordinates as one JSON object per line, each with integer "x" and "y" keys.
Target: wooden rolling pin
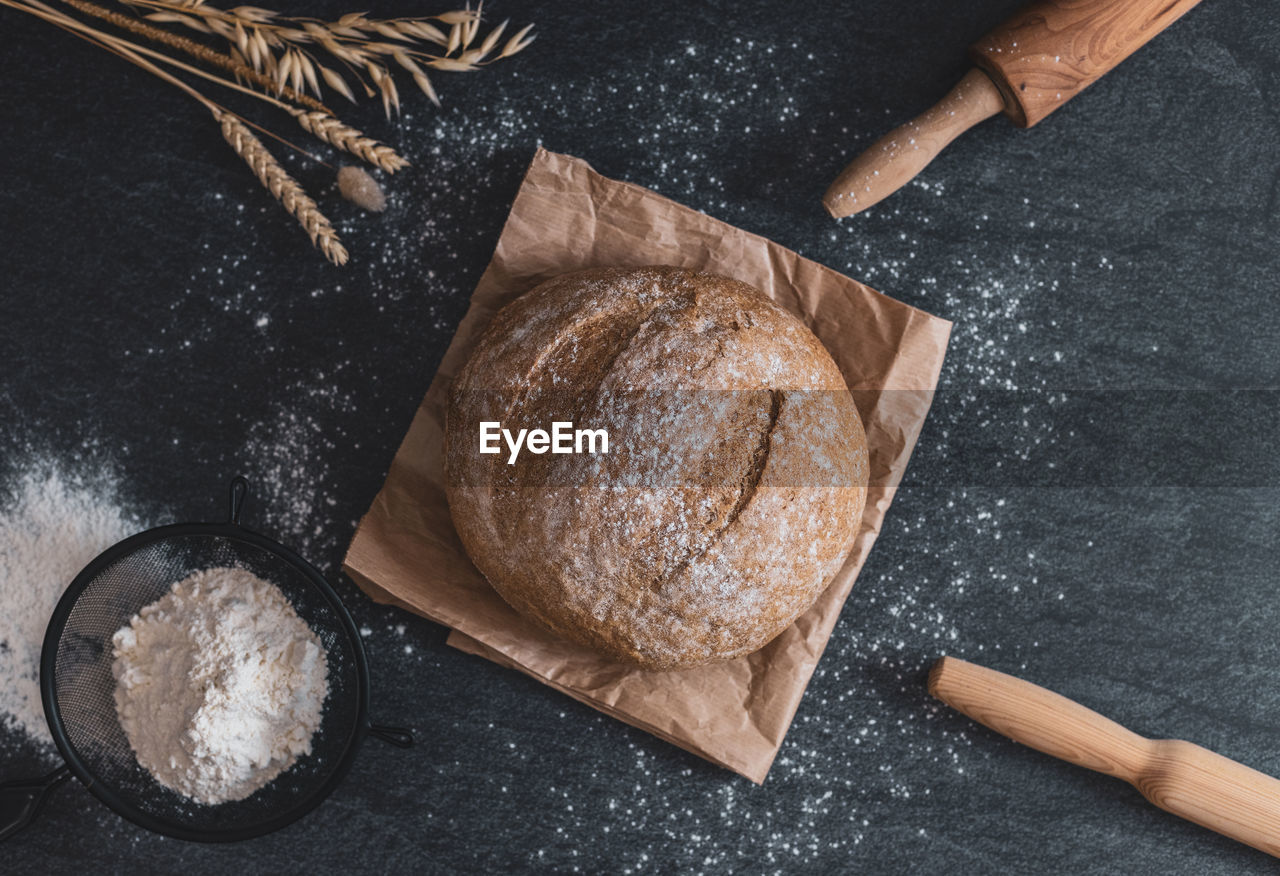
{"x": 1179, "y": 777}
{"x": 1026, "y": 68}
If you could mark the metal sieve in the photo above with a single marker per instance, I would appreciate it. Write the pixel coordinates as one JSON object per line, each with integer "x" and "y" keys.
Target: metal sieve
{"x": 78, "y": 689}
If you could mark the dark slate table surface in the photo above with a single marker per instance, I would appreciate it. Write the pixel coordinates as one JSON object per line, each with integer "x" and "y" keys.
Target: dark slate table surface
{"x": 1088, "y": 507}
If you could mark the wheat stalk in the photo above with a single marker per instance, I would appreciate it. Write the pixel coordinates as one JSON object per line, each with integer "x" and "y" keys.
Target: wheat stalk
{"x": 280, "y": 47}
{"x": 283, "y": 187}
{"x": 234, "y": 130}
{"x": 196, "y": 50}
{"x": 320, "y": 123}
{"x": 348, "y": 139}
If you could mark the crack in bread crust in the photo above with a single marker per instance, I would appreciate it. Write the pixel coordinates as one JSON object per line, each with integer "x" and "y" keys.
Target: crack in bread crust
{"x": 750, "y": 483}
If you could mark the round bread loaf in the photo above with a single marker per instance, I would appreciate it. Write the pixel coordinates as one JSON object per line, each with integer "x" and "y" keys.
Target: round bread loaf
{"x": 732, "y": 488}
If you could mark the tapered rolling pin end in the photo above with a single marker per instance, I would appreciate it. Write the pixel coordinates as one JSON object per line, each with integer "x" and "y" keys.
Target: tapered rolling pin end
{"x": 893, "y": 160}
{"x": 935, "y": 676}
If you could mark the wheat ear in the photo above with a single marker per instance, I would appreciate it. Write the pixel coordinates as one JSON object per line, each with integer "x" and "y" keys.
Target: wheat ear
{"x": 331, "y": 130}
{"x": 284, "y": 187}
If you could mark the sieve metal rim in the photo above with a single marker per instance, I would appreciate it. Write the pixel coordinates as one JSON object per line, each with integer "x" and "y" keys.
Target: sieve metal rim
{"x": 233, "y": 531}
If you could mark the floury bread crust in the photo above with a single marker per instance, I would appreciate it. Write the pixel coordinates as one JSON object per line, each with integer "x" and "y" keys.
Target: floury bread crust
{"x": 733, "y": 487}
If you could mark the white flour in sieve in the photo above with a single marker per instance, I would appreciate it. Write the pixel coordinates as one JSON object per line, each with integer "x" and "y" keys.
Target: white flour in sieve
{"x": 219, "y": 685}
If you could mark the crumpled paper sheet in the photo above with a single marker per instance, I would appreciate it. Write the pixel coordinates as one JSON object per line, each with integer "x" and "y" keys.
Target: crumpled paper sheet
{"x": 568, "y": 217}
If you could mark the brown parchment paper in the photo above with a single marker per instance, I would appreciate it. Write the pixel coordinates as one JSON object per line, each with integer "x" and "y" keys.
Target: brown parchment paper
{"x": 566, "y": 217}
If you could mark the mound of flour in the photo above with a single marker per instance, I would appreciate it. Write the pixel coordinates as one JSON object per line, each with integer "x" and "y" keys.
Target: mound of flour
{"x": 219, "y": 685}
{"x": 52, "y": 523}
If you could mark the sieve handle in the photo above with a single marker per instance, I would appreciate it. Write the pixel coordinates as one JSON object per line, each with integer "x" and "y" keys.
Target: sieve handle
{"x": 400, "y": 737}
{"x": 239, "y": 492}
{"x": 21, "y": 800}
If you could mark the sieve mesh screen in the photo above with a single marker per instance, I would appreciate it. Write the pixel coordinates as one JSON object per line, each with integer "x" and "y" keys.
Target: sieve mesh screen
{"x": 84, "y": 689}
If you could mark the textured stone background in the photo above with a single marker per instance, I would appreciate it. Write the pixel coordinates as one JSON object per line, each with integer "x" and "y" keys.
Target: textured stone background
{"x": 1088, "y": 507}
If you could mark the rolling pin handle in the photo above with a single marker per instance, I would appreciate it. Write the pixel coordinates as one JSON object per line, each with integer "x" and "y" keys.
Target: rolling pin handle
{"x": 891, "y": 162}
{"x": 1182, "y": 778}
{"x": 1026, "y": 68}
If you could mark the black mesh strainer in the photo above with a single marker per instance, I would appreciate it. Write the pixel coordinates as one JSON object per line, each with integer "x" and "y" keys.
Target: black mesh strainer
{"x": 78, "y": 688}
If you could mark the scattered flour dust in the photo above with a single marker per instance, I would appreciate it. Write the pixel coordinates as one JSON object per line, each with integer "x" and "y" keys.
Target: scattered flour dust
{"x": 219, "y": 685}
{"x": 52, "y": 524}
{"x": 289, "y": 461}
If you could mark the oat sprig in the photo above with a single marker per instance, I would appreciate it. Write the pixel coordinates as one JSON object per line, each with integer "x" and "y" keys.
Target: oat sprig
{"x": 319, "y": 123}
{"x": 288, "y": 49}
{"x": 196, "y": 50}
